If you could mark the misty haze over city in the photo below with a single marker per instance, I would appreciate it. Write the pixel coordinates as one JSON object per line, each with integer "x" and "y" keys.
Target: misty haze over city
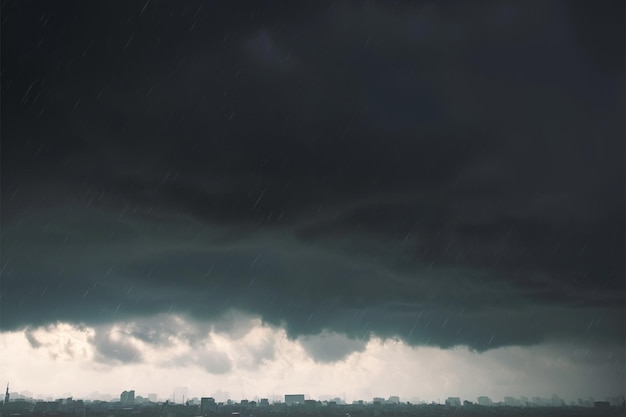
{"x": 345, "y": 200}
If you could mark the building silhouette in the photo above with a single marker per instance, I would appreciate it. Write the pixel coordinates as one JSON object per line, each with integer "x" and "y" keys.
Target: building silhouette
{"x": 294, "y": 399}
{"x": 453, "y": 402}
{"x": 484, "y": 401}
{"x": 127, "y": 397}
{"x": 207, "y": 404}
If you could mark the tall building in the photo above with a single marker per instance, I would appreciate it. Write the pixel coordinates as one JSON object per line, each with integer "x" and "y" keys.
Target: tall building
{"x": 6, "y": 395}
{"x": 294, "y": 399}
{"x": 453, "y": 402}
{"x": 484, "y": 401}
{"x": 127, "y": 397}
{"x": 207, "y": 404}
{"x": 511, "y": 402}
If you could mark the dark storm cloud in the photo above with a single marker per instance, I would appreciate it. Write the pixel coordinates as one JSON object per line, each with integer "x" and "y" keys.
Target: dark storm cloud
{"x": 447, "y": 174}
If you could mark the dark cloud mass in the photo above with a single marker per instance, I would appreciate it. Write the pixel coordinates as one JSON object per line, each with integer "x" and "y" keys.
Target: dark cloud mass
{"x": 443, "y": 172}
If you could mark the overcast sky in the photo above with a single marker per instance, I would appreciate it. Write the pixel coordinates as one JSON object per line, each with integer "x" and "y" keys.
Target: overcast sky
{"x": 347, "y": 198}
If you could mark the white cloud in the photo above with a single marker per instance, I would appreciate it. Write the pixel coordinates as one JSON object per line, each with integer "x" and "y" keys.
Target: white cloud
{"x": 262, "y": 361}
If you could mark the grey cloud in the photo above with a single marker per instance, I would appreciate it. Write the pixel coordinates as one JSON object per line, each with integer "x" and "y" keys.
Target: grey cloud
{"x": 32, "y": 340}
{"x": 165, "y": 330}
{"x": 215, "y": 362}
{"x": 262, "y": 352}
{"x": 233, "y": 323}
{"x": 408, "y": 173}
{"x": 264, "y": 52}
{"x": 212, "y": 360}
{"x": 153, "y": 334}
{"x": 330, "y": 347}
{"x": 349, "y": 283}
{"x": 110, "y": 350}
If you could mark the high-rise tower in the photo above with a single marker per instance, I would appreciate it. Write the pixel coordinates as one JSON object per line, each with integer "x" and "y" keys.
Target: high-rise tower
{"x": 6, "y": 396}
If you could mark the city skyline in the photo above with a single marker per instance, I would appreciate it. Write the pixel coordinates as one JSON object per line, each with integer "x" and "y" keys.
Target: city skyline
{"x": 296, "y": 404}
{"x": 342, "y": 196}
{"x": 181, "y": 396}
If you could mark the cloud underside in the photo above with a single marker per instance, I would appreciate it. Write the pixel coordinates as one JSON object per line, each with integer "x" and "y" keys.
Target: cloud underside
{"x": 353, "y": 285}
{"x": 261, "y": 359}
{"x": 407, "y": 175}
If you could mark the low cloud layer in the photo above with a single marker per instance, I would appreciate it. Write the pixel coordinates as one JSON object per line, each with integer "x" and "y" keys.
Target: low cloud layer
{"x": 331, "y": 347}
{"x": 443, "y": 176}
{"x": 265, "y": 362}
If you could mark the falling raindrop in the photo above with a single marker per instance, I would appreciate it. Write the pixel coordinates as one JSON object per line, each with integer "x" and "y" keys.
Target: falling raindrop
{"x": 258, "y": 199}
{"x": 128, "y": 43}
{"x": 144, "y": 7}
